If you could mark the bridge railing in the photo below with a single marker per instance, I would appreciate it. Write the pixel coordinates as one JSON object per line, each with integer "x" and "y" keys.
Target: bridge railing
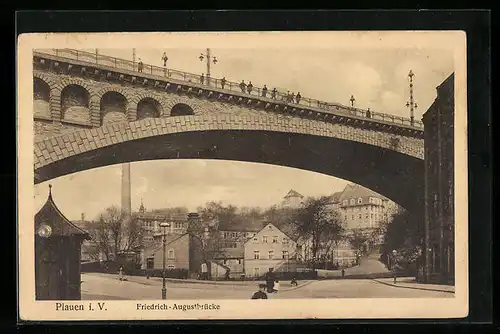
{"x": 280, "y": 95}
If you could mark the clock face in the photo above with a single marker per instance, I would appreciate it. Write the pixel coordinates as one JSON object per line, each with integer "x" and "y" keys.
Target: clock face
{"x": 44, "y": 231}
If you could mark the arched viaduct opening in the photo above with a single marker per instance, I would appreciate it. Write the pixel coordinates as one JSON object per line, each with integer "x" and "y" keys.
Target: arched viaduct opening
{"x": 394, "y": 175}
{"x": 41, "y": 96}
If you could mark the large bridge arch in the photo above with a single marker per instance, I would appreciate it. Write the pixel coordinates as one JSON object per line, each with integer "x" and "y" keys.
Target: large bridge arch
{"x": 378, "y": 166}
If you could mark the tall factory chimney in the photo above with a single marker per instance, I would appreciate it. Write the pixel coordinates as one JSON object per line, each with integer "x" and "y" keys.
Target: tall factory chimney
{"x": 126, "y": 191}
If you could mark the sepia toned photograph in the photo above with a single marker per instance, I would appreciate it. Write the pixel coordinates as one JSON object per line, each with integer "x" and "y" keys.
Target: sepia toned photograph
{"x": 189, "y": 178}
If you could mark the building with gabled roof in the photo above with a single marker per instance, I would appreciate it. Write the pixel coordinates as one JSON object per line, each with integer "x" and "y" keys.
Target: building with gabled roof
{"x": 293, "y": 199}
{"x": 269, "y": 248}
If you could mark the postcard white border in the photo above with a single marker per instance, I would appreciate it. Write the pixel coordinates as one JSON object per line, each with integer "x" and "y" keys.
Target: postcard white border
{"x": 345, "y": 308}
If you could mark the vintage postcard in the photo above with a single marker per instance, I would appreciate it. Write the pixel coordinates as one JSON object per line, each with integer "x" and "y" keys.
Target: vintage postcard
{"x": 255, "y": 175}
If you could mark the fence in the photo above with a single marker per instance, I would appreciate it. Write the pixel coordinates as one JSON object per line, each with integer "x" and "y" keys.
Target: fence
{"x": 95, "y": 58}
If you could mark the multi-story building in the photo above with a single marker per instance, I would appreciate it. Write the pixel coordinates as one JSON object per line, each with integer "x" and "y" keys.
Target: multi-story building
{"x": 362, "y": 208}
{"x": 439, "y": 186}
{"x": 268, "y": 248}
{"x": 292, "y": 199}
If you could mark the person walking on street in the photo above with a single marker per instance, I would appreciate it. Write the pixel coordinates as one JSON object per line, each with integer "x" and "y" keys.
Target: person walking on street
{"x": 249, "y": 87}
{"x": 261, "y": 294}
{"x": 273, "y": 93}
{"x": 242, "y": 86}
{"x": 294, "y": 282}
{"x": 298, "y": 97}
{"x": 368, "y": 114}
{"x": 223, "y": 82}
{"x": 276, "y": 286}
{"x": 264, "y": 91}
{"x": 164, "y": 58}
{"x": 270, "y": 278}
{"x": 204, "y": 271}
{"x": 140, "y": 65}
{"x": 202, "y": 78}
{"x": 120, "y": 273}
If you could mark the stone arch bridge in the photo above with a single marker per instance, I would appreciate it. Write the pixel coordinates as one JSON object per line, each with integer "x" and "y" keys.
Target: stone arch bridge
{"x": 90, "y": 112}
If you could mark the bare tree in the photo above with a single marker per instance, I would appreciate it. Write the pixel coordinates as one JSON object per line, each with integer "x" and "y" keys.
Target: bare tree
{"x": 320, "y": 223}
{"x": 207, "y": 238}
{"x": 115, "y": 233}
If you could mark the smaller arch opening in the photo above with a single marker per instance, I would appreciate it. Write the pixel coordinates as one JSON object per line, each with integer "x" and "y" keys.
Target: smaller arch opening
{"x": 41, "y": 96}
{"x": 148, "y": 108}
{"x": 181, "y": 109}
{"x": 113, "y": 108}
{"x": 75, "y": 103}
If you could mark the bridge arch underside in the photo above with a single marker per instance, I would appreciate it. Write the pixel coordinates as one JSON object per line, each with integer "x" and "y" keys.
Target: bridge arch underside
{"x": 397, "y": 176}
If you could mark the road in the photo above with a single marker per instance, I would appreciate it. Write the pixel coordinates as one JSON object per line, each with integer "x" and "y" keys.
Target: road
{"x": 98, "y": 286}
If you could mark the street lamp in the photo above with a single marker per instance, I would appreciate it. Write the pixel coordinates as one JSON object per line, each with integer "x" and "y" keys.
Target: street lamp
{"x": 352, "y": 100}
{"x": 394, "y": 252}
{"x": 209, "y": 58}
{"x": 164, "y": 225}
{"x": 411, "y": 104}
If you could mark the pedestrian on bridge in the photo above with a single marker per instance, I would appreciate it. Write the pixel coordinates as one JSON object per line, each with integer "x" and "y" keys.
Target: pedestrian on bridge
{"x": 298, "y": 97}
{"x": 223, "y": 82}
{"x": 202, "y": 78}
{"x": 368, "y": 114}
{"x": 249, "y": 87}
{"x": 243, "y": 86}
{"x": 273, "y": 93}
{"x": 140, "y": 65}
{"x": 264, "y": 91}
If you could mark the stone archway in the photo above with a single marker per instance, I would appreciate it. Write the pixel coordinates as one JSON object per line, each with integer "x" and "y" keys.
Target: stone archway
{"x": 181, "y": 109}
{"x": 41, "y": 98}
{"x": 113, "y": 108}
{"x": 75, "y": 101}
{"x": 148, "y": 108}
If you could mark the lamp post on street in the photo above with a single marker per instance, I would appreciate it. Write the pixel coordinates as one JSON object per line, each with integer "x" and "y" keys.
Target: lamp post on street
{"x": 352, "y": 100}
{"x": 164, "y": 226}
{"x": 209, "y": 59}
{"x": 393, "y": 267}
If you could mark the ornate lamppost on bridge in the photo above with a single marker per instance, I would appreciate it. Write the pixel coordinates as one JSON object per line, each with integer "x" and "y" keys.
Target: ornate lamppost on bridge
{"x": 209, "y": 58}
{"x": 164, "y": 226}
{"x": 352, "y": 100}
{"x": 411, "y": 104}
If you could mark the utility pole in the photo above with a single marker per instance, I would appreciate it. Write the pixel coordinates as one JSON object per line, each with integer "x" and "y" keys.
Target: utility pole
{"x": 209, "y": 58}
{"x": 411, "y": 104}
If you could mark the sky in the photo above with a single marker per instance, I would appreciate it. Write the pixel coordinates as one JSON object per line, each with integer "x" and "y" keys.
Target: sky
{"x": 378, "y": 79}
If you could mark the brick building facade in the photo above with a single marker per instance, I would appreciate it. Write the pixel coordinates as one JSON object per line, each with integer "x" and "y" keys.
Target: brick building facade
{"x": 439, "y": 186}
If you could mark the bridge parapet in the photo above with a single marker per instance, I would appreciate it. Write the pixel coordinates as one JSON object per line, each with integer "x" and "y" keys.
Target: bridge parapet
{"x": 99, "y": 67}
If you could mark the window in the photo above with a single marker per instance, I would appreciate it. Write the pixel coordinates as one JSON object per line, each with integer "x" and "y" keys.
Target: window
{"x": 239, "y": 261}
{"x": 264, "y": 239}
{"x": 366, "y": 216}
{"x": 285, "y": 241}
{"x": 353, "y": 201}
{"x": 360, "y": 200}
{"x": 371, "y": 215}
{"x": 256, "y": 272}
{"x": 234, "y": 234}
{"x": 275, "y": 239}
{"x": 170, "y": 266}
{"x": 285, "y": 255}
{"x": 256, "y": 255}
{"x": 171, "y": 254}
{"x": 271, "y": 254}
{"x": 344, "y": 202}
{"x": 178, "y": 225}
{"x": 255, "y": 240}
{"x": 360, "y": 216}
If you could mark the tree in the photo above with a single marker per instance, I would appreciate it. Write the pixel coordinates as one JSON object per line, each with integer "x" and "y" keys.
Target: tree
{"x": 115, "y": 234}
{"x": 206, "y": 238}
{"x": 403, "y": 234}
{"x": 176, "y": 211}
{"x": 217, "y": 211}
{"x": 358, "y": 241}
{"x": 318, "y": 222}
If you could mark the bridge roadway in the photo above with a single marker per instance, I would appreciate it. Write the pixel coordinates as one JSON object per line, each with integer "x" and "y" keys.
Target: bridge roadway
{"x": 175, "y": 77}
